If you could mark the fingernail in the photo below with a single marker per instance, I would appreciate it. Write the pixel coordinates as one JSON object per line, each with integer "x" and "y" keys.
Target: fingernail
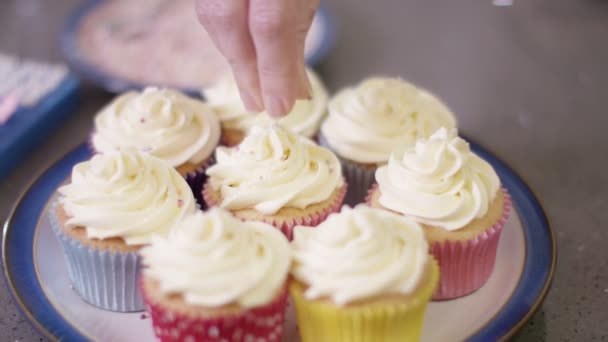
{"x": 275, "y": 106}
{"x": 252, "y": 103}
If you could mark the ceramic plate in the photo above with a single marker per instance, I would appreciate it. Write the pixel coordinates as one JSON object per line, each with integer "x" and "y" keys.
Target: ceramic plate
{"x": 37, "y": 274}
{"x": 113, "y": 44}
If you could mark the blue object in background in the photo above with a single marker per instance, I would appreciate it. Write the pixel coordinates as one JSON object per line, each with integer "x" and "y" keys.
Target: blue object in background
{"x": 28, "y": 126}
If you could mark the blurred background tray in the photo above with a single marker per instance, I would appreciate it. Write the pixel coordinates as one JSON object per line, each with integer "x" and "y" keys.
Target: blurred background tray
{"x": 120, "y": 26}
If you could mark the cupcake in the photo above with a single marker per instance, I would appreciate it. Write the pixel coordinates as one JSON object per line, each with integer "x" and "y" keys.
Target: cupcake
{"x": 304, "y": 118}
{"x": 364, "y": 274}
{"x": 178, "y": 129}
{"x": 113, "y": 205}
{"x": 278, "y": 177}
{"x": 216, "y": 278}
{"x": 366, "y": 122}
{"x": 458, "y": 199}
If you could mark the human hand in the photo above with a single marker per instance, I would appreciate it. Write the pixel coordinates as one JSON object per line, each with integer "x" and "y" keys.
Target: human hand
{"x": 263, "y": 41}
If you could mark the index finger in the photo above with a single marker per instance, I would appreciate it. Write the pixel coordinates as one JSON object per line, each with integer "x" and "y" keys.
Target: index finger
{"x": 275, "y": 38}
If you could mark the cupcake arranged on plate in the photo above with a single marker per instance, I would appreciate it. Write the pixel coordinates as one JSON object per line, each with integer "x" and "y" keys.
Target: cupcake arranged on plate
{"x": 112, "y": 206}
{"x": 364, "y": 274}
{"x": 366, "y": 122}
{"x": 216, "y": 278}
{"x": 458, "y": 199}
{"x": 178, "y": 129}
{"x": 278, "y": 177}
{"x": 304, "y": 119}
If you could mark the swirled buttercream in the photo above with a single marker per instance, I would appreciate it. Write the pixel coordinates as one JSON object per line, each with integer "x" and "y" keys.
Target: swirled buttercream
{"x": 274, "y": 168}
{"x": 359, "y": 254}
{"x": 365, "y": 123}
{"x": 438, "y": 182}
{"x": 163, "y": 122}
{"x": 213, "y": 259}
{"x": 126, "y": 194}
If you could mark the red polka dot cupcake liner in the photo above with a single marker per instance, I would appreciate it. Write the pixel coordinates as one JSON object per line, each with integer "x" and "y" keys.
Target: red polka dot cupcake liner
{"x": 264, "y": 323}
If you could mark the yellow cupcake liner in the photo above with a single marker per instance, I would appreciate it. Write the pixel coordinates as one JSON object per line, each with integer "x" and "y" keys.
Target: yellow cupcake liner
{"x": 322, "y": 321}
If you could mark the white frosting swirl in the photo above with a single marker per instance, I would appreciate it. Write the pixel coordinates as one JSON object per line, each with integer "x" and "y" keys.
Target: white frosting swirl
{"x": 214, "y": 259}
{"x": 274, "y": 168}
{"x": 304, "y": 118}
{"x": 366, "y": 122}
{"x": 439, "y": 182}
{"x": 163, "y": 122}
{"x": 126, "y": 194}
{"x": 359, "y": 254}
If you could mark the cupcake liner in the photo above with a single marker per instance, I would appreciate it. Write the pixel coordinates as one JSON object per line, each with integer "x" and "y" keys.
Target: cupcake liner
{"x": 285, "y": 224}
{"x": 106, "y": 279}
{"x": 258, "y": 324}
{"x": 370, "y": 193}
{"x": 321, "y": 321}
{"x": 197, "y": 179}
{"x": 467, "y": 265}
{"x": 359, "y": 178}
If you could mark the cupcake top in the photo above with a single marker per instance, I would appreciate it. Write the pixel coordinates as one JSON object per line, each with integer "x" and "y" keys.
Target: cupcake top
{"x": 274, "y": 168}
{"x": 367, "y": 122}
{"x": 438, "y": 182}
{"x": 163, "y": 122}
{"x": 304, "y": 118}
{"x": 213, "y": 259}
{"x": 125, "y": 194}
{"x": 359, "y": 254}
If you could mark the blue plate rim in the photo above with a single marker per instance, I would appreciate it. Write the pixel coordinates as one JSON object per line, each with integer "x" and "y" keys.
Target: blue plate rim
{"x": 17, "y": 253}
{"x": 68, "y": 41}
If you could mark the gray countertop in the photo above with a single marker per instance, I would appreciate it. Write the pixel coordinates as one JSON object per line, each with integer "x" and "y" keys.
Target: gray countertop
{"x": 528, "y": 81}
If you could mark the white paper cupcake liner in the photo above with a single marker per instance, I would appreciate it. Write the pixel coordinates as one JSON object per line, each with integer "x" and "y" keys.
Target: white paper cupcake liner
{"x": 106, "y": 279}
{"x": 359, "y": 179}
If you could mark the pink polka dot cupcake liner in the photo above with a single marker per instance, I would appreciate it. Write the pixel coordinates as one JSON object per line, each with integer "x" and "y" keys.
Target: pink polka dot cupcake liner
{"x": 264, "y": 323}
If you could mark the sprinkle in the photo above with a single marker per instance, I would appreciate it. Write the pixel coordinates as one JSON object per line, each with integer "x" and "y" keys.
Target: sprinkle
{"x": 180, "y": 202}
{"x": 142, "y": 120}
{"x": 143, "y": 316}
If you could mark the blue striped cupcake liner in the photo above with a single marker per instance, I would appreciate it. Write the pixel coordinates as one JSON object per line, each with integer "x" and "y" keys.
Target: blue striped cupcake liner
{"x": 104, "y": 278}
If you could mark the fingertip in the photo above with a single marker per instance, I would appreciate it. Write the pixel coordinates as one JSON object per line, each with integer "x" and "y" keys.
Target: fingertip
{"x": 277, "y": 107}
